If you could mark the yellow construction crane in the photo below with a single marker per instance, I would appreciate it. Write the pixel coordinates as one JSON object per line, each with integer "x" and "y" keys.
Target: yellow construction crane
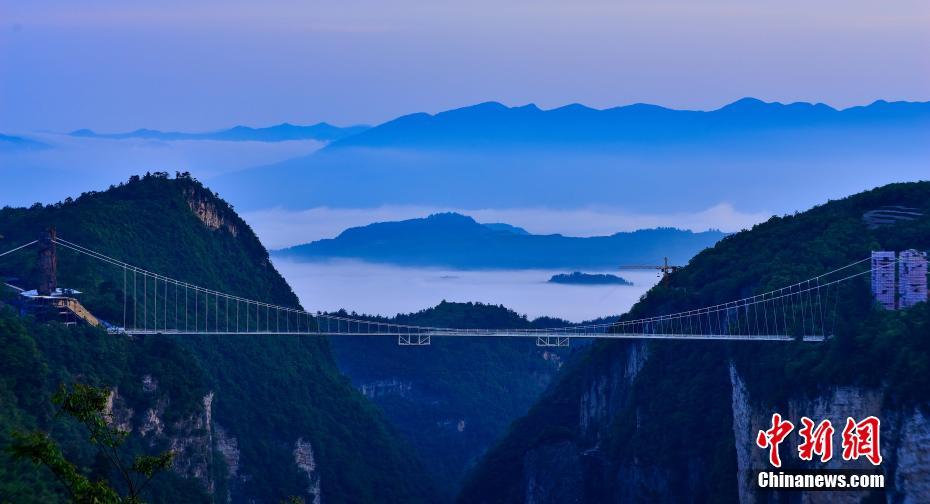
{"x": 664, "y": 269}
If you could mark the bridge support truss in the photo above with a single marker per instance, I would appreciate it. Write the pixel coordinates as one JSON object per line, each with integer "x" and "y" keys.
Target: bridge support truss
{"x": 552, "y": 341}
{"x": 413, "y": 339}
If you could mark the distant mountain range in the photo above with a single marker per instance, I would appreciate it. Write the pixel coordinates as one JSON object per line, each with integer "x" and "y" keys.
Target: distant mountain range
{"x": 9, "y": 142}
{"x": 754, "y": 155}
{"x": 455, "y": 240}
{"x": 493, "y": 124}
{"x": 279, "y": 133}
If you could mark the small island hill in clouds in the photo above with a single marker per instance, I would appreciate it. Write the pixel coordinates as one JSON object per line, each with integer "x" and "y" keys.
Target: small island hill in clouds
{"x": 579, "y": 278}
{"x": 458, "y": 241}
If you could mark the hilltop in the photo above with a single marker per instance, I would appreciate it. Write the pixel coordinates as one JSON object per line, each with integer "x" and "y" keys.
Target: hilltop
{"x": 256, "y": 419}
{"x": 628, "y": 418}
{"x": 579, "y": 278}
{"x": 455, "y": 240}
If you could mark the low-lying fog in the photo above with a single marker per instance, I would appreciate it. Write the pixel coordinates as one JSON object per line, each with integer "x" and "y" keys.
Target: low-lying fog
{"x": 387, "y": 290}
{"x": 70, "y": 165}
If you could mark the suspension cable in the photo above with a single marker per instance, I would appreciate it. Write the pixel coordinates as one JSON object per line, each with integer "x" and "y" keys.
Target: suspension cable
{"x": 801, "y": 290}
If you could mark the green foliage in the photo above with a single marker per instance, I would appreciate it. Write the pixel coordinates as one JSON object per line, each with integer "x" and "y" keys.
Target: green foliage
{"x": 269, "y": 391}
{"x": 676, "y": 416}
{"x": 38, "y": 448}
{"x": 485, "y": 383}
{"x": 88, "y": 405}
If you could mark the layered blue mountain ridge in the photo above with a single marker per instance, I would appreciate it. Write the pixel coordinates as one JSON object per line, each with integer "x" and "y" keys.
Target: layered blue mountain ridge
{"x": 458, "y": 241}
{"x": 754, "y": 155}
{"x": 278, "y": 133}
{"x": 492, "y": 123}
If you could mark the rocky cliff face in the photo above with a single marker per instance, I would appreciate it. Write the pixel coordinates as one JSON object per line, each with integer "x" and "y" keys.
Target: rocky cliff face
{"x": 190, "y": 438}
{"x": 453, "y": 399}
{"x": 205, "y": 210}
{"x": 553, "y": 474}
{"x": 606, "y": 393}
{"x": 576, "y": 469}
{"x": 306, "y": 463}
{"x": 911, "y": 459}
{"x": 905, "y": 434}
{"x": 680, "y": 423}
{"x": 196, "y": 438}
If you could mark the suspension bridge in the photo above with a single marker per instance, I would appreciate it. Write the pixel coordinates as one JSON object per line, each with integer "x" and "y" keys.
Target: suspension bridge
{"x": 153, "y": 303}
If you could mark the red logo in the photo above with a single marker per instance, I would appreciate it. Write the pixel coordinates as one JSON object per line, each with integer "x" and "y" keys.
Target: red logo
{"x": 860, "y": 439}
{"x": 773, "y": 437}
{"x": 816, "y": 440}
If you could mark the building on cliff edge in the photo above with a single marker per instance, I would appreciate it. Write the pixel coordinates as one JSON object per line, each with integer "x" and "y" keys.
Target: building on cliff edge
{"x": 903, "y": 286}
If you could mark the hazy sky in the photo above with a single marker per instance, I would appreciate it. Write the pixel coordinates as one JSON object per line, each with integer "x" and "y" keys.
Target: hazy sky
{"x": 122, "y": 64}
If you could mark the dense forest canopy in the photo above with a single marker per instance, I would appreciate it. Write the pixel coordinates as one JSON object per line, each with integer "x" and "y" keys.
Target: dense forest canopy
{"x": 268, "y": 392}
{"x": 684, "y": 387}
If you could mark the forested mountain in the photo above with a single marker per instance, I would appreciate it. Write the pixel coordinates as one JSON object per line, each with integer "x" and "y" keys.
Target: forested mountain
{"x": 454, "y": 240}
{"x": 454, "y": 398}
{"x": 254, "y": 419}
{"x": 676, "y": 421}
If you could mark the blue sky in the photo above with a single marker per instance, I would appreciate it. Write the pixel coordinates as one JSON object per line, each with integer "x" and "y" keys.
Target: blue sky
{"x": 123, "y": 64}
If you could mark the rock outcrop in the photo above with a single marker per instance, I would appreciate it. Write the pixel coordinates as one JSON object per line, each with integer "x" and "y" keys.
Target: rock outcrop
{"x": 905, "y": 434}
{"x": 205, "y": 210}
{"x": 306, "y": 463}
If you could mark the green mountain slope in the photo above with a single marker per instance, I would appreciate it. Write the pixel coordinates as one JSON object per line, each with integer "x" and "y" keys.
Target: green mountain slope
{"x": 257, "y": 418}
{"x": 454, "y": 398}
{"x": 675, "y": 421}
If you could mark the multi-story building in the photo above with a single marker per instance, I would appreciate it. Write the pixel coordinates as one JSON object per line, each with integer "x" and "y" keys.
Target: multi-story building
{"x": 912, "y": 278}
{"x": 883, "y": 279}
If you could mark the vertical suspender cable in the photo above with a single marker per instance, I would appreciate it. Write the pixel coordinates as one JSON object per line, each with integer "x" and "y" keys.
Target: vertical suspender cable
{"x": 135, "y": 302}
{"x": 124, "y": 298}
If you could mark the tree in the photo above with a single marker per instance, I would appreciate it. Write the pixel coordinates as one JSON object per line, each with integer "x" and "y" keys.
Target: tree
{"x": 88, "y": 405}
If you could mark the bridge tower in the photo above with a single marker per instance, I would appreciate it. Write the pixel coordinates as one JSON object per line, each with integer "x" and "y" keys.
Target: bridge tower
{"x": 48, "y": 263}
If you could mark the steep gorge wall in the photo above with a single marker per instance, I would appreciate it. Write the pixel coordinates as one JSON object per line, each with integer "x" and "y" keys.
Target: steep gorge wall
{"x": 577, "y": 469}
{"x": 905, "y": 434}
{"x": 582, "y": 466}
{"x": 197, "y": 439}
{"x": 684, "y": 429}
